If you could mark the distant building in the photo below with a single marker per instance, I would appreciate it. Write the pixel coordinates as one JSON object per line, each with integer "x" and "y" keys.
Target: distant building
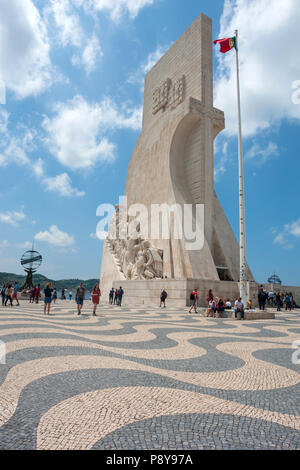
{"x": 274, "y": 280}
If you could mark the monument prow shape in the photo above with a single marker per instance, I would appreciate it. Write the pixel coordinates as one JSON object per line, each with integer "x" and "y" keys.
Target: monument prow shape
{"x": 173, "y": 163}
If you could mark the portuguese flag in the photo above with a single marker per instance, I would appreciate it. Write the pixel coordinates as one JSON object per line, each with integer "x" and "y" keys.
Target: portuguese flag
{"x": 226, "y": 44}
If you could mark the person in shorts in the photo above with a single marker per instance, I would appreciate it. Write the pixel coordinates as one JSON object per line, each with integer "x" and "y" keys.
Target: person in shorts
{"x": 79, "y": 297}
{"x": 15, "y": 293}
{"x": 47, "y": 298}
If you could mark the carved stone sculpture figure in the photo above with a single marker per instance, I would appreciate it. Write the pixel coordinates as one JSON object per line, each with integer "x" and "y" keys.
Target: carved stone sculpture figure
{"x": 134, "y": 257}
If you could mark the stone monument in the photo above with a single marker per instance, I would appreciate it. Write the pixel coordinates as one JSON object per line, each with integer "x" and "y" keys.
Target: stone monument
{"x": 173, "y": 163}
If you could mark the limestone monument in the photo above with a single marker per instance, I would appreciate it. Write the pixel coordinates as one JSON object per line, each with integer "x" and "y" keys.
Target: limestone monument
{"x": 173, "y": 163}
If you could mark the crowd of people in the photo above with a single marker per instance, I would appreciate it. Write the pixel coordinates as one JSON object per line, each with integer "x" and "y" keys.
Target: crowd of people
{"x": 9, "y": 293}
{"x": 215, "y": 305}
{"x": 116, "y": 296}
{"x": 276, "y": 299}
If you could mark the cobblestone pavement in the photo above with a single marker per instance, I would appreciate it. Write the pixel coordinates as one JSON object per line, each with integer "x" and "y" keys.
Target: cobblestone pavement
{"x": 147, "y": 378}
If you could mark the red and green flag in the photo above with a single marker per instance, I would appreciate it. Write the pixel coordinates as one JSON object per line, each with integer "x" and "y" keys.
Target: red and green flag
{"x": 226, "y": 44}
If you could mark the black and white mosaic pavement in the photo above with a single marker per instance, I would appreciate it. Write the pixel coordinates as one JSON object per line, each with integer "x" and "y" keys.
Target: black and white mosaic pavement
{"x": 134, "y": 378}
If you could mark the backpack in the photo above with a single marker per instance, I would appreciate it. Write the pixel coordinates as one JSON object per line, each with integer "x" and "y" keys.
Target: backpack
{"x": 192, "y": 296}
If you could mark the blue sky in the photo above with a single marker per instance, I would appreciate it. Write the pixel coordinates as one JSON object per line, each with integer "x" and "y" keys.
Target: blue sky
{"x": 73, "y": 72}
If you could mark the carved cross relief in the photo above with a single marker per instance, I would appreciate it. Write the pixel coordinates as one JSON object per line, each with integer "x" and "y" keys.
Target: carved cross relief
{"x": 168, "y": 95}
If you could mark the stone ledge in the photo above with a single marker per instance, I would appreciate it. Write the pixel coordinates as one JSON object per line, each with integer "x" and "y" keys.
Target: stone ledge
{"x": 258, "y": 315}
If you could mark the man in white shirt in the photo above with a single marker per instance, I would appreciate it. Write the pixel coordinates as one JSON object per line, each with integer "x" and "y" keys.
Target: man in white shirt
{"x": 271, "y": 298}
{"x": 239, "y": 307}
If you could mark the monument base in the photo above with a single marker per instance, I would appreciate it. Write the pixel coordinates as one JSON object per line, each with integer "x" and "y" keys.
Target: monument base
{"x": 148, "y": 292}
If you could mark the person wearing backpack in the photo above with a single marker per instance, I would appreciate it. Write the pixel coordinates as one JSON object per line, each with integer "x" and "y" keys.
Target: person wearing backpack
{"x": 3, "y": 294}
{"x": 163, "y": 297}
{"x": 8, "y": 294}
{"x": 262, "y": 297}
{"x": 194, "y": 299}
{"x": 287, "y": 302}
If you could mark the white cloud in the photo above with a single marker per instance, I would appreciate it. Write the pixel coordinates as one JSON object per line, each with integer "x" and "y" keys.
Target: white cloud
{"x": 38, "y": 168}
{"x": 15, "y": 149}
{"x": 261, "y": 155}
{"x": 24, "y": 246}
{"x": 65, "y": 16}
{"x": 14, "y": 153}
{"x": 25, "y": 65}
{"x": 75, "y": 133}
{"x": 67, "y": 22}
{"x": 12, "y": 217}
{"x": 290, "y": 230}
{"x": 4, "y": 244}
{"x": 90, "y": 56}
{"x": 70, "y": 33}
{"x": 138, "y": 76}
{"x": 116, "y": 8}
{"x": 4, "y": 116}
{"x": 281, "y": 239}
{"x": 62, "y": 185}
{"x": 221, "y": 165}
{"x": 294, "y": 228}
{"x": 99, "y": 235}
{"x": 55, "y": 237}
{"x": 269, "y": 38}
{"x": 2, "y": 92}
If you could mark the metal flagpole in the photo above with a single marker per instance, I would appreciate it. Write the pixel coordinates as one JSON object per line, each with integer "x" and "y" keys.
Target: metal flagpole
{"x": 243, "y": 265}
